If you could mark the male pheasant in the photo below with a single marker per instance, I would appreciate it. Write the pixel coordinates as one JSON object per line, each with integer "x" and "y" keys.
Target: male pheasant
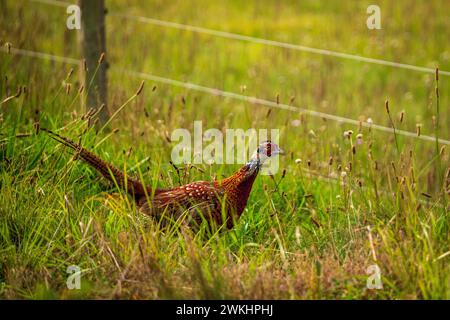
{"x": 216, "y": 202}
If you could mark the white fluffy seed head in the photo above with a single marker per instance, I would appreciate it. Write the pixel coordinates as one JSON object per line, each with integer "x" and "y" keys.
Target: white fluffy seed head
{"x": 348, "y": 133}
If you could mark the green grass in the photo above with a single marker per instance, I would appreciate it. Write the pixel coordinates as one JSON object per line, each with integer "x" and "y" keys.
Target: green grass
{"x": 308, "y": 239}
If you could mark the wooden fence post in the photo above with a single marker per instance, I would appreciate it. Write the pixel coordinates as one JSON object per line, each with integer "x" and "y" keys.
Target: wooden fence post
{"x": 93, "y": 44}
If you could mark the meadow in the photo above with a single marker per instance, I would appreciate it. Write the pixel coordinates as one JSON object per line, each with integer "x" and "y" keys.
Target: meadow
{"x": 339, "y": 204}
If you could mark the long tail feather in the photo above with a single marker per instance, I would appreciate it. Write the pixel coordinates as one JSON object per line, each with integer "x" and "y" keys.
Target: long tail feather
{"x": 132, "y": 186}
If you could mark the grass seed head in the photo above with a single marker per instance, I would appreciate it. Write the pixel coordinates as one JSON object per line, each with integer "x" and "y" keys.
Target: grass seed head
{"x": 8, "y": 47}
{"x": 37, "y": 127}
{"x": 291, "y": 100}
{"x": 19, "y": 92}
{"x": 102, "y": 58}
{"x": 141, "y": 87}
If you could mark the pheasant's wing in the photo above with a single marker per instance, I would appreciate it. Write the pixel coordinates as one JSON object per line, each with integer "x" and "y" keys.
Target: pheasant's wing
{"x": 198, "y": 201}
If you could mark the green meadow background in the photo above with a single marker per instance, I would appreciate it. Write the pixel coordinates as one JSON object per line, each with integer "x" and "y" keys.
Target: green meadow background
{"x": 309, "y": 232}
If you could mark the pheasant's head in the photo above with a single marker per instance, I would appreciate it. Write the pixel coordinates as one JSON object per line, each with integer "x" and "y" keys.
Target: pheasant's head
{"x": 265, "y": 150}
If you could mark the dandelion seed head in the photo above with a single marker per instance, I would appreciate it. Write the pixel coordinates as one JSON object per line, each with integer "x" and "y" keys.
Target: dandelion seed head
{"x": 348, "y": 133}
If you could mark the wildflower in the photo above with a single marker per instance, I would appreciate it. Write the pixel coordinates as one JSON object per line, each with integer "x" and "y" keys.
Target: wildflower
{"x": 348, "y": 133}
{"x": 359, "y": 138}
{"x": 296, "y": 123}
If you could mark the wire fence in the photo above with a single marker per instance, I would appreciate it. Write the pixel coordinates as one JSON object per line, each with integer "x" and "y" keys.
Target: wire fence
{"x": 249, "y": 99}
{"x": 236, "y": 36}
{"x": 232, "y": 95}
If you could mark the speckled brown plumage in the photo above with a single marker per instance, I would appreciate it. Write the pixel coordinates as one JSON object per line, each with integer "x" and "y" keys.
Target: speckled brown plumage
{"x": 216, "y": 202}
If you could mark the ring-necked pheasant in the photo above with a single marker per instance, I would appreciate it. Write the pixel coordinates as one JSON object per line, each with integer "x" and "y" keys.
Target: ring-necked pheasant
{"x": 214, "y": 201}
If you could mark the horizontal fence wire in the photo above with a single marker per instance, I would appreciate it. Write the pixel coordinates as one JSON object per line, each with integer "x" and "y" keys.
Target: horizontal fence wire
{"x": 41, "y": 55}
{"x": 273, "y": 43}
{"x": 232, "y": 95}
